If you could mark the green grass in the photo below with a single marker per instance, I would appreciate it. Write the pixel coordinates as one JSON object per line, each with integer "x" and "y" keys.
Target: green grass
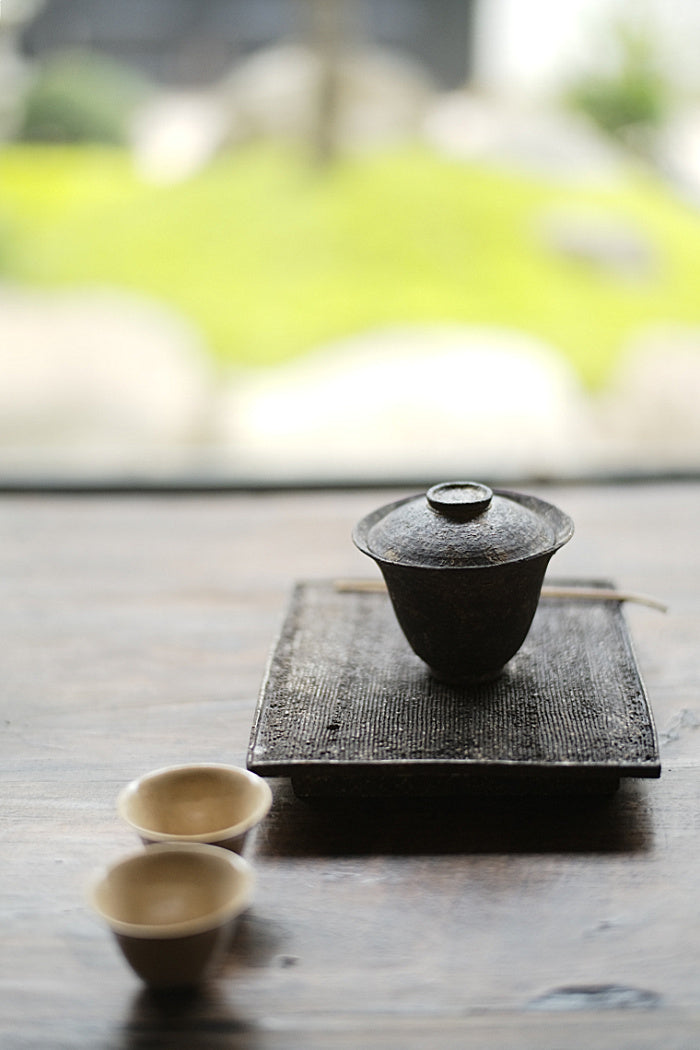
{"x": 270, "y": 257}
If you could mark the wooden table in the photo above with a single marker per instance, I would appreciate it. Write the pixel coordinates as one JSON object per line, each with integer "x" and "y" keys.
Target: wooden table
{"x": 135, "y": 631}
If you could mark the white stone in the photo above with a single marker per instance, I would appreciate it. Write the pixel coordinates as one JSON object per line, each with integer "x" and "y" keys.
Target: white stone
{"x": 677, "y": 148}
{"x": 521, "y": 135}
{"x": 650, "y": 414}
{"x": 176, "y": 134}
{"x": 97, "y": 380}
{"x": 275, "y": 93}
{"x": 452, "y": 400}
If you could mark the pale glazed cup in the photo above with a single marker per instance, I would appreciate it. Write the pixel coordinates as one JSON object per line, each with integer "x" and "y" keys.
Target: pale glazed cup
{"x": 209, "y": 803}
{"x": 172, "y": 909}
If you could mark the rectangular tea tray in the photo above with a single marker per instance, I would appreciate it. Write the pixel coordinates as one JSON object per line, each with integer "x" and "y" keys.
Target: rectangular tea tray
{"x": 346, "y": 708}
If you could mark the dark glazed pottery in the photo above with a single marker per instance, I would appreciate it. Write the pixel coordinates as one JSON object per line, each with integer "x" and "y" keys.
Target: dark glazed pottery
{"x": 464, "y": 567}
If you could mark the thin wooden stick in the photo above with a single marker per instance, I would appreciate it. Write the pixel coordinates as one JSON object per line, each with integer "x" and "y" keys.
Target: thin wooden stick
{"x": 604, "y": 594}
{"x": 548, "y": 591}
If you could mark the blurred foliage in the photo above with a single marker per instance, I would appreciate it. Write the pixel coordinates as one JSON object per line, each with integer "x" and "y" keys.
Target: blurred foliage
{"x": 635, "y": 94}
{"x": 271, "y": 258}
{"x": 81, "y": 98}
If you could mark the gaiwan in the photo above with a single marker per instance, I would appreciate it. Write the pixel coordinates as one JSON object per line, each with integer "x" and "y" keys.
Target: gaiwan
{"x": 464, "y": 567}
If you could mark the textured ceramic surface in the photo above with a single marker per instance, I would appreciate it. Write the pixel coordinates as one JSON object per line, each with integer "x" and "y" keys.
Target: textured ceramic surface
{"x": 464, "y": 567}
{"x": 172, "y": 909}
{"x": 211, "y": 803}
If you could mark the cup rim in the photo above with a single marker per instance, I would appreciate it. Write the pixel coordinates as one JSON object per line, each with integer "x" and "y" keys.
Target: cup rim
{"x": 259, "y": 811}
{"x": 198, "y": 924}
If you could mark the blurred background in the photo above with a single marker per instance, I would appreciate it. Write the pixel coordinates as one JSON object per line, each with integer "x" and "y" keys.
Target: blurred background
{"x": 345, "y": 241}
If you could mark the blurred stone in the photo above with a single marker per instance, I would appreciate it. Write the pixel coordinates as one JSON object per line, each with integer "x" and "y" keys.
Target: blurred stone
{"x": 601, "y": 240}
{"x": 176, "y": 134}
{"x": 650, "y": 415}
{"x": 106, "y": 384}
{"x": 677, "y": 152}
{"x": 523, "y": 137}
{"x": 275, "y": 93}
{"x": 456, "y": 401}
{"x": 97, "y": 381}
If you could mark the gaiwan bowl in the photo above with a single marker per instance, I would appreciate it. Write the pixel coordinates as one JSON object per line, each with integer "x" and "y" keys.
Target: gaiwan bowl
{"x": 173, "y": 908}
{"x": 211, "y": 803}
{"x": 464, "y": 565}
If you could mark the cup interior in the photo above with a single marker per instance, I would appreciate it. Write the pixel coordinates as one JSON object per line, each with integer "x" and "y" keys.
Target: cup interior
{"x": 172, "y": 890}
{"x": 195, "y": 802}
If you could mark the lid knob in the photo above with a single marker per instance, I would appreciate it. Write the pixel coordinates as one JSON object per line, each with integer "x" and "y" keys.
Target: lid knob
{"x": 460, "y": 500}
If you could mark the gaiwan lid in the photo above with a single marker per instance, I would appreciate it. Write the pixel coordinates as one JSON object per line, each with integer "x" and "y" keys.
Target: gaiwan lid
{"x": 462, "y": 524}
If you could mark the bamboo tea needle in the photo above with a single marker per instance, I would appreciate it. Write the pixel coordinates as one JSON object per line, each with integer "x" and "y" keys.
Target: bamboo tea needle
{"x": 548, "y": 591}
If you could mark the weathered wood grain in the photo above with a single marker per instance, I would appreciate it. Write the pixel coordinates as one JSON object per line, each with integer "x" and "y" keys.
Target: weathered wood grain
{"x": 135, "y": 633}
